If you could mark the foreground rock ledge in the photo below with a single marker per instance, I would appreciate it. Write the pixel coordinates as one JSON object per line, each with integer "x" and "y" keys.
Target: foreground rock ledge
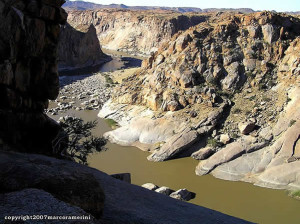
{"x": 127, "y": 203}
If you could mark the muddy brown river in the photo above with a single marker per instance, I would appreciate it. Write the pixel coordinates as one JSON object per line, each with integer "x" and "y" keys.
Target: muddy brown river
{"x": 239, "y": 199}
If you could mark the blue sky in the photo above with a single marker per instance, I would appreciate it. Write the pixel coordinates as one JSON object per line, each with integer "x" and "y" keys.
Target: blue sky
{"x": 278, "y": 5}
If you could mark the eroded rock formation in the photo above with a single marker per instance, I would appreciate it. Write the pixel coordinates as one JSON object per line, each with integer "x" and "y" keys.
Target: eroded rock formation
{"x": 29, "y": 33}
{"x": 135, "y": 32}
{"x": 234, "y": 75}
{"x": 79, "y": 47}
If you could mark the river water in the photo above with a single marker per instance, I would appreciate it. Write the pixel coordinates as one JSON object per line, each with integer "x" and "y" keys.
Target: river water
{"x": 239, "y": 199}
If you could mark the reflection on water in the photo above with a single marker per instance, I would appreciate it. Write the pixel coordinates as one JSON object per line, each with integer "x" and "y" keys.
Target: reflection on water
{"x": 238, "y": 199}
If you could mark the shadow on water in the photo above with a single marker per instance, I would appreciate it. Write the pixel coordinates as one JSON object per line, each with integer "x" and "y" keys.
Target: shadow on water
{"x": 117, "y": 63}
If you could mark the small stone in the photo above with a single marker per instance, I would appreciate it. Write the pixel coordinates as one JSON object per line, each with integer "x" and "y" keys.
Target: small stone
{"x": 164, "y": 190}
{"x": 225, "y": 139}
{"x": 183, "y": 195}
{"x": 246, "y": 127}
{"x": 150, "y": 186}
{"x": 193, "y": 114}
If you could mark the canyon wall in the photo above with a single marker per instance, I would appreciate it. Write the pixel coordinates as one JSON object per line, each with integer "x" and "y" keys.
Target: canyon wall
{"x": 226, "y": 92}
{"x": 208, "y": 60}
{"x": 79, "y": 47}
{"x": 29, "y": 34}
{"x": 134, "y": 32}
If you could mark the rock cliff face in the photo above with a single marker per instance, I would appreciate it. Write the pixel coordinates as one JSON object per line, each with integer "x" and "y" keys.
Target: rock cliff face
{"x": 135, "y": 32}
{"x": 29, "y": 33}
{"x": 234, "y": 79}
{"x": 79, "y": 47}
{"x": 218, "y": 55}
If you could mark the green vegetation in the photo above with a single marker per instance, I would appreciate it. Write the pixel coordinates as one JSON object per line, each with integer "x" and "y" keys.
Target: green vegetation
{"x": 252, "y": 98}
{"x": 112, "y": 123}
{"x": 213, "y": 142}
{"x": 108, "y": 79}
{"x": 75, "y": 142}
{"x": 250, "y": 75}
{"x": 295, "y": 194}
{"x": 292, "y": 122}
{"x": 234, "y": 136}
{"x": 288, "y": 100}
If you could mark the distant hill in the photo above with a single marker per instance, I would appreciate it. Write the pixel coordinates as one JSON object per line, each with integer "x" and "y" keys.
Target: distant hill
{"x": 82, "y": 5}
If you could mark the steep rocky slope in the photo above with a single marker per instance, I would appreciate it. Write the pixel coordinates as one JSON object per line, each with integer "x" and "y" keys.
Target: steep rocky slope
{"x": 135, "y": 32}
{"x": 230, "y": 84}
{"x": 79, "y": 47}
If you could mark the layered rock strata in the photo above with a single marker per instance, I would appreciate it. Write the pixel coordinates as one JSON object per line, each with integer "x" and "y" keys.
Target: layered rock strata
{"x": 29, "y": 34}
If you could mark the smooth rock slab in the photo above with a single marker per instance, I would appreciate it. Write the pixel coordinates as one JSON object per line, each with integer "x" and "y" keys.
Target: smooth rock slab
{"x": 227, "y": 154}
{"x": 237, "y": 169}
{"x": 175, "y": 145}
{"x": 284, "y": 176}
{"x": 203, "y": 154}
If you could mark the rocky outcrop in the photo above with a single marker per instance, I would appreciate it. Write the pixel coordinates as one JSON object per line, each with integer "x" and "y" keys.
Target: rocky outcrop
{"x": 134, "y": 32}
{"x": 76, "y": 188}
{"x": 79, "y": 47}
{"x": 29, "y": 33}
{"x": 233, "y": 76}
{"x": 219, "y": 55}
{"x": 124, "y": 203}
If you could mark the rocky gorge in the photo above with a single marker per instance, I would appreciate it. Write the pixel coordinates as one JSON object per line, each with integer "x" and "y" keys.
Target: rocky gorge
{"x": 225, "y": 91}
{"x": 35, "y": 186}
{"x": 136, "y": 32}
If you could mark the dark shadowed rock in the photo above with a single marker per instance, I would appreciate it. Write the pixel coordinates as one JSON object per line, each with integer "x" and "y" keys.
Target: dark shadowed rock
{"x": 79, "y": 47}
{"x": 125, "y": 203}
{"x": 76, "y": 187}
{"x": 35, "y": 202}
{"x": 123, "y": 177}
{"x": 29, "y": 33}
